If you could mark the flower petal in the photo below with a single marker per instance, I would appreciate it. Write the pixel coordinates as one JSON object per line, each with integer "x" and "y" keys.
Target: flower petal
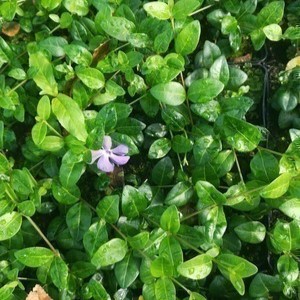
{"x": 107, "y": 142}
{"x": 96, "y": 154}
{"x": 104, "y": 164}
{"x": 119, "y": 160}
{"x": 120, "y": 150}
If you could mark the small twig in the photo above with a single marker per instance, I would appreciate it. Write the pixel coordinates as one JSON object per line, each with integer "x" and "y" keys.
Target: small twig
{"x": 56, "y": 253}
{"x": 238, "y": 167}
{"x": 201, "y": 9}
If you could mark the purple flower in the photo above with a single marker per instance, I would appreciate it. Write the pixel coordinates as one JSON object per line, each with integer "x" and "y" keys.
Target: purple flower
{"x": 107, "y": 157}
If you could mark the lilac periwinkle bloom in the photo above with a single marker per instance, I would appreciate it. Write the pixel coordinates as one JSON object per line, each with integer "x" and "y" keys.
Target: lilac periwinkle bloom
{"x": 107, "y": 157}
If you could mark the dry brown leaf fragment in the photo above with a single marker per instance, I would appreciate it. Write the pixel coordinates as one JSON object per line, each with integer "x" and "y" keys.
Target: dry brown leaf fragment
{"x": 38, "y": 293}
{"x": 10, "y": 28}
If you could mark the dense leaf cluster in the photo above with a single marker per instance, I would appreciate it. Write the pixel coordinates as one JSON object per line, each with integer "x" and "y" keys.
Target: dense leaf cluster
{"x": 204, "y": 209}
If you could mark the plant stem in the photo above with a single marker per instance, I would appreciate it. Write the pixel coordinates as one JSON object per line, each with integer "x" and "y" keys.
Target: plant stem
{"x": 269, "y": 150}
{"x": 179, "y": 239}
{"x": 17, "y": 86}
{"x": 54, "y": 29}
{"x": 201, "y": 9}
{"x": 56, "y": 253}
{"x": 36, "y": 165}
{"x": 187, "y": 101}
{"x": 181, "y": 285}
{"x": 195, "y": 213}
{"x": 121, "y": 47}
{"x": 138, "y": 99}
{"x": 54, "y": 130}
{"x": 238, "y": 167}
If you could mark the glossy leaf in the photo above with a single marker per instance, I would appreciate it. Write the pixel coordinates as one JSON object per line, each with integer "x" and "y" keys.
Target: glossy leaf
{"x": 34, "y": 257}
{"x": 70, "y": 116}
{"x": 118, "y": 27}
{"x": 204, "y": 90}
{"x": 169, "y": 220}
{"x": 251, "y": 232}
{"x": 188, "y": 38}
{"x": 196, "y": 268}
{"x": 159, "y": 148}
{"x": 171, "y": 93}
{"x": 91, "y": 77}
{"x": 277, "y": 187}
{"x": 10, "y": 224}
{"x": 158, "y": 10}
{"x": 165, "y": 289}
{"x": 110, "y": 253}
{"x": 108, "y": 208}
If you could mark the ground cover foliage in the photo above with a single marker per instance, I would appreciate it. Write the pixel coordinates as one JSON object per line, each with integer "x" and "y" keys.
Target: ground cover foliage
{"x": 204, "y": 208}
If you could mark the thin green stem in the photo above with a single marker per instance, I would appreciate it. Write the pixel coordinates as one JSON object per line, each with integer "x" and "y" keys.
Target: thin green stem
{"x": 269, "y": 150}
{"x": 238, "y": 167}
{"x": 195, "y": 213}
{"x": 181, "y": 285}
{"x": 179, "y": 239}
{"x": 137, "y": 100}
{"x": 187, "y": 100}
{"x": 53, "y": 129}
{"x": 36, "y": 165}
{"x": 120, "y": 47}
{"x": 178, "y": 156}
{"x": 54, "y": 29}
{"x": 201, "y": 9}
{"x": 34, "y": 225}
{"x": 17, "y": 86}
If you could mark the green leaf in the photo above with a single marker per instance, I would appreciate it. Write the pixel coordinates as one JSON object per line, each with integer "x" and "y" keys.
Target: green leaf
{"x": 8, "y": 9}
{"x": 285, "y": 236}
{"x": 71, "y": 169}
{"x": 229, "y": 263}
{"x": 130, "y": 126}
{"x": 38, "y": 132}
{"x": 4, "y": 164}
{"x": 161, "y": 267}
{"x": 181, "y": 144}
{"x": 180, "y": 194}
{"x": 188, "y": 38}
{"x": 54, "y": 44}
{"x": 133, "y": 202}
{"x": 237, "y": 282}
{"x": 208, "y": 194}
{"x": 83, "y": 269}
{"x": 43, "y": 76}
{"x": 110, "y": 253}
{"x": 139, "y": 241}
{"x": 263, "y": 284}
{"x": 34, "y": 257}
{"x": 288, "y": 268}
{"x": 22, "y": 181}
{"x": 236, "y": 78}
{"x": 52, "y": 143}
{"x": 163, "y": 171}
{"x": 78, "y": 219}
{"x": 50, "y": 4}
{"x": 10, "y": 224}
{"x": 95, "y": 237}
{"x": 59, "y": 273}
{"x": 126, "y": 271}
{"x": 277, "y": 187}
{"x": 183, "y": 8}
{"x": 70, "y": 116}
{"x": 251, "y": 232}
{"x": 291, "y": 208}
{"x": 170, "y": 249}
{"x": 219, "y": 70}
{"x": 79, "y": 7}
{"x": 271, "y": 13}
{"x": 91, "y": 77}
{"x": 78, "y": 54}
{"x": 292, "y": 33}
{"x": 118, "y": 27}
{"x": 159, "y": 148}
{"x": 108, "y": 208}
{"x": 258, "y": 38}
{"x": 159, "y": 10}
{"x": 65, "y": 195}
{"x": 44, "y": 108}
{"x": 204, "y": 90}
{"x": 229, "y": 25}
{"x": 196, "y": 296}
{"x": 17, "y": 73}
{"x": 6, "y": 290}
{"x": 165, "y": 289}
{"x": 240, "y": 134}
{"x": 264, "y": 166}
{"x": 273, "y": 32}
{"x": 169, "y": 220}
{"x": 171, "y": 93}
{"x": 196, "y": 268}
